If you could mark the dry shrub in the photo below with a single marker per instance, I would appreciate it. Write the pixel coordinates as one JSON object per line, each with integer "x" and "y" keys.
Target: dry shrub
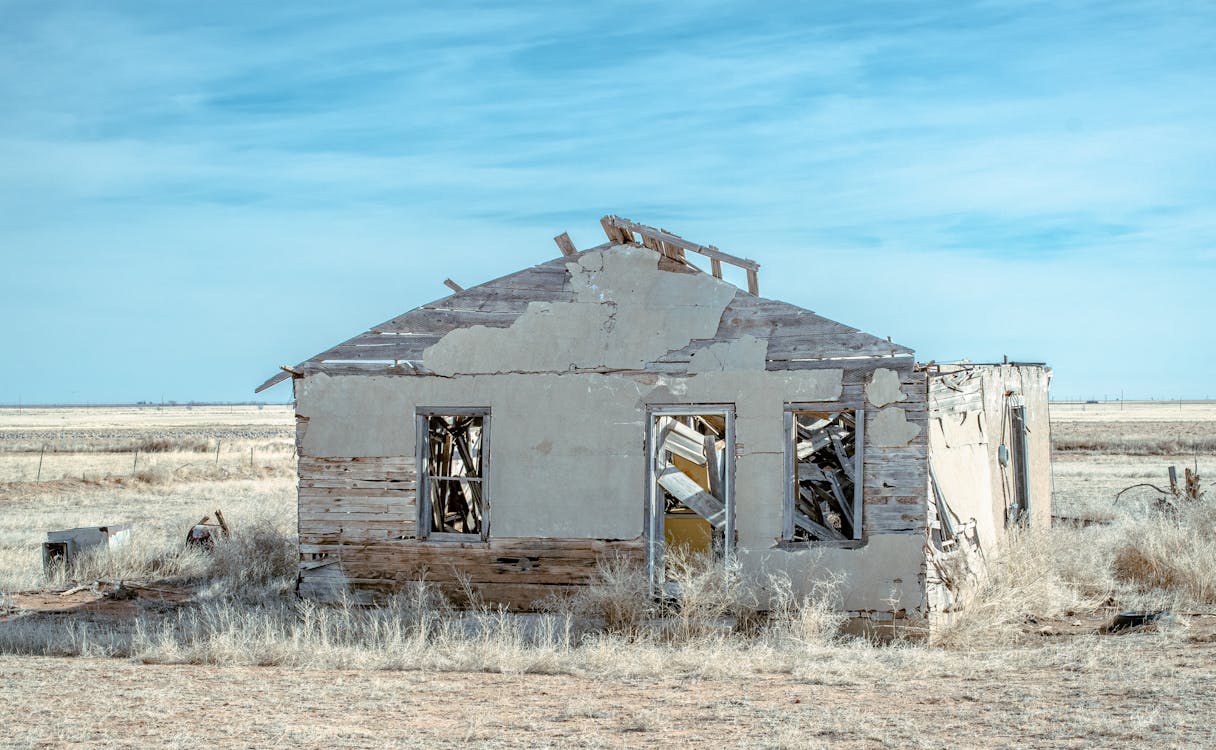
{"x": 813, "y": 619}
{"x": 1172, "y": 553}
{"x": 258, "y": 553}
{"x": 712, "y": 595}
{"x": 618, "y": 601}
{"x": 1023, "y": 579}
{"x": 259, "y": 558}
{"x": 715, "y": 601}
{"x": 145, "y": 557}
{"x": 170, "y": 445}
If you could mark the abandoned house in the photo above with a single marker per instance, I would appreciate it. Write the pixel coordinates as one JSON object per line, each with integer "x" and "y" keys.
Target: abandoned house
{"x": 621, "y": 400}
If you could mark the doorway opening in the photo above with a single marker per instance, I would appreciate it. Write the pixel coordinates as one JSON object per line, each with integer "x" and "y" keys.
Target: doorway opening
{"x": 690, "y": 486}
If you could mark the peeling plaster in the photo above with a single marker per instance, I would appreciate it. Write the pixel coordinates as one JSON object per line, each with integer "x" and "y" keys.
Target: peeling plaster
{"x": 890, "y": 428}
{"x": 745, "y": 353}
{"x": 883, "y": 387}
{"x": 639, "y": 312}
{"x": 962, "y": 428}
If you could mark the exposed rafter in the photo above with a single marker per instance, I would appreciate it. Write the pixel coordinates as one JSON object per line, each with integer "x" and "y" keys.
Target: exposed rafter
{"x": 622, "y": 230}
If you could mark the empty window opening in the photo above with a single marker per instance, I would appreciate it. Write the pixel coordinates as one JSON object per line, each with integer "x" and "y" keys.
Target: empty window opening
{"x": 690, "y": 496}
{"x": 451, "y": 491}
{"x": 825, "y": 460}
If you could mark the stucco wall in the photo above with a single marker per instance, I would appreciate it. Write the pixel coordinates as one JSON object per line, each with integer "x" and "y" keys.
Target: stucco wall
{"x": 567, "y": 458}
{"x": 965, "y": 437}
{"x": 568, "y": 383}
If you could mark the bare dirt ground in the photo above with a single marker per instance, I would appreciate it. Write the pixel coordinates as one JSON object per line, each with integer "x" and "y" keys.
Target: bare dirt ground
{"x": 978, "y": 702}
{"x": 1069, "y": 688}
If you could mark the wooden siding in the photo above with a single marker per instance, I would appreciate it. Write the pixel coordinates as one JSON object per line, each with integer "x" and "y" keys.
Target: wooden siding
{"x": 896, "y": 478}
{"x": 356, "y": 499}
{"x": 357, "y": 527}
{"x": 517, "y": 573}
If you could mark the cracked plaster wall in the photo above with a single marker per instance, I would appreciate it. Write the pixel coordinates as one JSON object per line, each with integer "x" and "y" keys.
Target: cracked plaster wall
{"x": 567, "y": 448}
{"x": 963, "y": 448}
{"x": 567, "y": 457}
{"x": 625, "y": 313}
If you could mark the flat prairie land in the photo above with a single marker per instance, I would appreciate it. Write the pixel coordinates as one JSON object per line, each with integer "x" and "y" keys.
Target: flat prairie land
{"x": 1132, "y": 694}
{"x": 1101, "y": 449}
{"x": 213, "y": 650}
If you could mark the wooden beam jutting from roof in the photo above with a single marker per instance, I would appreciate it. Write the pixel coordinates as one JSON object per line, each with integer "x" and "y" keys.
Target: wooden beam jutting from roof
{"x": 453, "y": 285}
{"x": 622, "y": 230}
{"x": 565, "y": 244}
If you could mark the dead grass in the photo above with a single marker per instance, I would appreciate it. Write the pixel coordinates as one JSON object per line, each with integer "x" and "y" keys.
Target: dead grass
{"x": 1030, "y": 576}
{"x": 1090, "y": 692}
{"x": 610, "y": 666}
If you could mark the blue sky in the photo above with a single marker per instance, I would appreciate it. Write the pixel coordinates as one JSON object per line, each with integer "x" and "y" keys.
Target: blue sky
{"x": 194, "y": 193}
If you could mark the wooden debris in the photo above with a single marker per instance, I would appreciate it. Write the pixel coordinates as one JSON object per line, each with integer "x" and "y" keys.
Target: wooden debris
{"x": 565, "y": 244}
{"x": 203, "y": 535}
{"x": 453, "y": 285}
{"x": 689, "y": 467}
{"x": 826, "y": 476}
{"x": 690, "y": 494}
{"x": 454, "y": 473}
{"x": 672, "y": 246}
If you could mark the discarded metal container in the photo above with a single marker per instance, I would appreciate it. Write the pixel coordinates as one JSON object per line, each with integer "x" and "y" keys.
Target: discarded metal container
{"x": 62, "y": 547}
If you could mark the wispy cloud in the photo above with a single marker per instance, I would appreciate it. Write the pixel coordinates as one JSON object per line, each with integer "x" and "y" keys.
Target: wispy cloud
{"x": 254, "y": 162}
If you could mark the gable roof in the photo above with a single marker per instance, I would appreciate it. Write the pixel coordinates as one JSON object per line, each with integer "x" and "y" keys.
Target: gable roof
{"x": 794, "y": 338}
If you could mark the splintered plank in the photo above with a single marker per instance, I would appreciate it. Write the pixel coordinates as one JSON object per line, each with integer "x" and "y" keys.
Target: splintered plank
{"x": 682, "y": 440}
{"x": 688, "y": 492}
{"x": 611, "y": 223}
{"x": 817, "y": 530}
{"x": 565, "y": 244}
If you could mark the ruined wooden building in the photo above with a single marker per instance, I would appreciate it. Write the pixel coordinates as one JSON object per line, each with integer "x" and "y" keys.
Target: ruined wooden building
{"x": 620, "y": 400}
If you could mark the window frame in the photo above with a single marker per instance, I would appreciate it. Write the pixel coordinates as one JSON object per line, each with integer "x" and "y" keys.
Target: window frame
{"x": 790, "y": 413}
{"x": 422, "y": 419}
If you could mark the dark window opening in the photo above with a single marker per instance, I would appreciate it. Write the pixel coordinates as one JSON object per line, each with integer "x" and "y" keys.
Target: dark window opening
{"x": 452, "y": 475}
{"x": 824, "y": 496}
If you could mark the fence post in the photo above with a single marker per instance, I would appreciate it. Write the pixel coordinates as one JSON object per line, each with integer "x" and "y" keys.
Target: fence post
{"x": 135, "y": 462}
{"x": 217, "y": 452}
{"x": 40, "y": 457}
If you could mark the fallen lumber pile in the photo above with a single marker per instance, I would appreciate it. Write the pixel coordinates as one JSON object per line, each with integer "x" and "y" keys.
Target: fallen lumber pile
{"x": 824, "y": 505}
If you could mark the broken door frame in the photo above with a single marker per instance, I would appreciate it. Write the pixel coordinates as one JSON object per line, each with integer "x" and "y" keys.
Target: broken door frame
{"x": 654, "y": 512}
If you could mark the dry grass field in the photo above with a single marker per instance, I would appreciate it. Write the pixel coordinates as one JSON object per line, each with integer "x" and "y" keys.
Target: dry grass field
{"x": 197, "y": 648}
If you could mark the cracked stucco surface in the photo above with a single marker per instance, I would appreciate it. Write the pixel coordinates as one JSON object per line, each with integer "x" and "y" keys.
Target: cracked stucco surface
{"x": 890, "y": 428}
{"x": 626, "y": 313}
{"x": 568, "y": 457}
{"x": 883, "y": 387}
{"x": 745, "y": 353}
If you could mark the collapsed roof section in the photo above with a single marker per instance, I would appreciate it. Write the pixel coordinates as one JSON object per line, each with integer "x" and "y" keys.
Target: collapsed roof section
{"x": 634, "y": 304}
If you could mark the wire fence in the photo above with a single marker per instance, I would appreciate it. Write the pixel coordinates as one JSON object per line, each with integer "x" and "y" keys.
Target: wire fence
{"x": 56, "y": 462}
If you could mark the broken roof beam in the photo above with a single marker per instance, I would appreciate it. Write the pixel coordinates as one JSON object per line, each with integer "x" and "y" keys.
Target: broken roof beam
{"x": 453, "y": 285}
{"x": 622, "y": 230}
{"x": 565, "y": 244}
{"x": 286, "y": 373}
{"x": 615, "y": 233}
